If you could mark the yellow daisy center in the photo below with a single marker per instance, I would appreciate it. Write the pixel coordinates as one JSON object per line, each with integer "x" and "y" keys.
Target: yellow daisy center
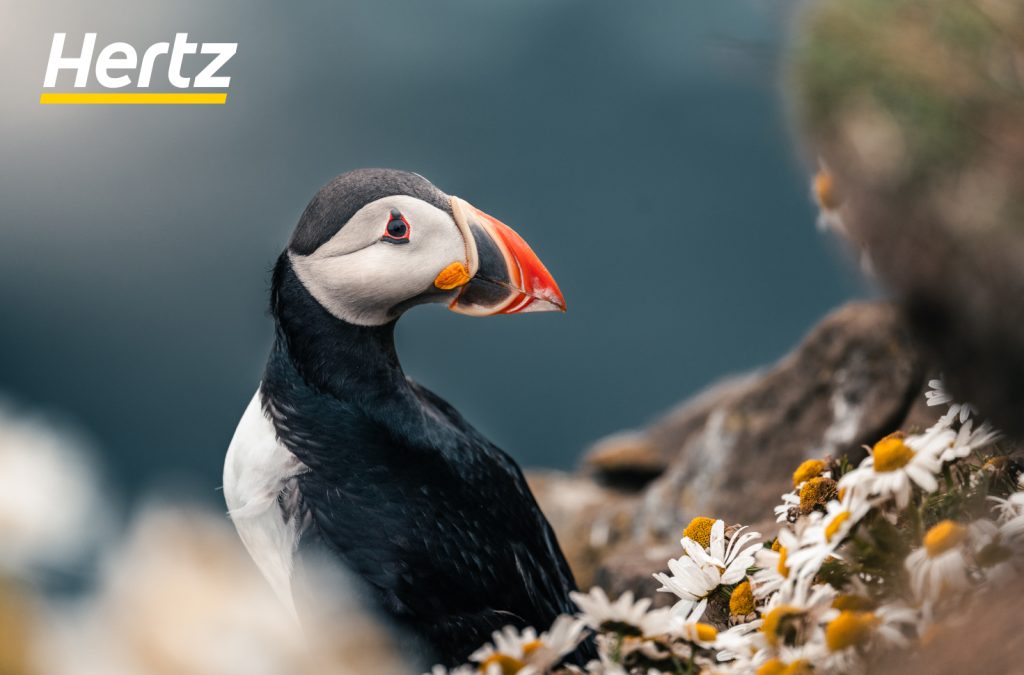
{"x": 798, "y": 667}
{"x": 776, "y": 622}
{"x": 706, "y": 632}
{"x": 833, "y": 525}
{"x": 699, "y": 530}
{"x": 943, "y": 536}
{"x": 779, "y": 667}
{"x": 781, "y": 568}
{"x": 507, "y": 665}
{"x": 771, "y": 667}
{"x": 851, "y": 601}
{"x": 891, "y": 453}
{"x": 849, "y": 629}
{"x": 816, "y": 492}
{"x": 811, "y": 468}
{"x": 741, "y": 602}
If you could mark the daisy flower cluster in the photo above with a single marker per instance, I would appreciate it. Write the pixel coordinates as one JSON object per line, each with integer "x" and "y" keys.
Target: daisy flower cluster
{"x": 868, "y": 560}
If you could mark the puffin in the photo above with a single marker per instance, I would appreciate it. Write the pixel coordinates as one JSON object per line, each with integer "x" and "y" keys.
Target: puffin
{"x": 339, "y": 450}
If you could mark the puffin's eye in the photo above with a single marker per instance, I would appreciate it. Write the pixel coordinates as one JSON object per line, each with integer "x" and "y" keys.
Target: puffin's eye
{"x": 397, "y": 229}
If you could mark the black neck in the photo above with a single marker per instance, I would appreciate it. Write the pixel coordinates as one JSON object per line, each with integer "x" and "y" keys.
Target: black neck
{"x": 330, "y": 354}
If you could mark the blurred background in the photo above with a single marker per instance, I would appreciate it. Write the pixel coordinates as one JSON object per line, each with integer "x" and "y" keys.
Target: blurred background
{"x": 641, "y": 148}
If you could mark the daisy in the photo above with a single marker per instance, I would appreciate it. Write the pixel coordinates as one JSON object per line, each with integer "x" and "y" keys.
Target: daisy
{"x": 742, "y": 603}
{"x": 689, "y": 627}
{"x": 731, "y": 557}
{"x": 851, "y": 634}
{"x": 460, "y": 670}
{"x": 789, "y": 510}
{"x": 706, "y": 567}
{"x": 777, "y": 665}
{"x": 690, "y": 582}
{"x": 895, "y": 622}
{"x": 826, "y": 532}
{"x": 523, "y": 652}
{"x": 807, "y": 471}
{"x": 811, "y": 468}
{"x": 893, "y": 468}
{"x": 806, "y": 596}
{"x": 886, "y": 625}
{"x": 850, "y": 628}
{"x": 738, "y": 641}
{"x": 606, "y": 667}
{"x": 773, "y": 563}
{"x": 564, "y": 636}
{"x": 996, "y": 552}
{"x": 939, "y": 396}
{"x": 1012, "y": 507}
{"x": 622, "y": 616}
{"x": 1011, "y": 525}
{"x": 967, "y": 440}
{"x": 793, "y": 615}
{"x": 817, "y": 492}
{"x": 939, "y": 565}
{"x": 936, "y": 439}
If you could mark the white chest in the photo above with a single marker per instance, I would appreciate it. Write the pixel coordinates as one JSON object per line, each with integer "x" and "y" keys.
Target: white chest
{"x": 258, "y": 469}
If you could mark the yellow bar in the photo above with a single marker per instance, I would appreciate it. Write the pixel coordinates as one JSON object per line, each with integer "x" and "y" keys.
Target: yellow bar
{"x": 132, "y": 98}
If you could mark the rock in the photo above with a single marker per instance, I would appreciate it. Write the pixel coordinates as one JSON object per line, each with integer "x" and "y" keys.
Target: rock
{"x": 920, "y": 126}
{"x": 730, "y": 452}
{"x": 991, "y": 626}
{"x": 628, "y": 459}
{"x": 849, "y": 383}
{"x": 584, "y": 515}
{"x": 631, "y": 569}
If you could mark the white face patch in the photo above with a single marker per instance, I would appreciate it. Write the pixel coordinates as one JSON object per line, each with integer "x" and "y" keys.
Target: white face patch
{"x": 361, "y": 278}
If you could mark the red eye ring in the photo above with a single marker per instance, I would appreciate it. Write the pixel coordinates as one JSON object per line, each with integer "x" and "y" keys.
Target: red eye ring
{"x": 397, "y": 230}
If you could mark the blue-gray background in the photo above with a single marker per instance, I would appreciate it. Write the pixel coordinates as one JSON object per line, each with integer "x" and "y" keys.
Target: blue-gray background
{"x": 640, "y": 147}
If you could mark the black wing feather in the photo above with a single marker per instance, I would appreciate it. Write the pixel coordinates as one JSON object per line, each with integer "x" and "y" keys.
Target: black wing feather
{"x": 438, "y": 521}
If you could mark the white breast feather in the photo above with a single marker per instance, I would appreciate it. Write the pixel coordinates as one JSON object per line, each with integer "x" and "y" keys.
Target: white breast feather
{"x": 256, "y": 470}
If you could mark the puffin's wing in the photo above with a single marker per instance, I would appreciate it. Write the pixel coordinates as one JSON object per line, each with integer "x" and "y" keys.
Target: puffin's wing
{"x": 536, "y": 552}
{"x": 439, "y": 521}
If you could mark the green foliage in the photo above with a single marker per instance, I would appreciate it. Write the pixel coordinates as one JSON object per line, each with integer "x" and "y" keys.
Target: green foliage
{"x": 930, "y": 67}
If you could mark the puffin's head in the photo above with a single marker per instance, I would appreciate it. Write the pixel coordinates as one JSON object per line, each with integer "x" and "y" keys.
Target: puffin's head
{"x": 374, "y": 242}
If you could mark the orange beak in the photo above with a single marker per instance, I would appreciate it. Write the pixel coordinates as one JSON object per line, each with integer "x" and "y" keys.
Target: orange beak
{"x": 506, "y": 276}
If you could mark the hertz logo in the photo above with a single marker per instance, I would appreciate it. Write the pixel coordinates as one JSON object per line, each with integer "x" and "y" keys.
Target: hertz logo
{"x": 118, "y": 66}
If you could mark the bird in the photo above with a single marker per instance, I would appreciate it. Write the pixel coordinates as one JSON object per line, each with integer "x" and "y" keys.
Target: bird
{"x": 339, "y": 449}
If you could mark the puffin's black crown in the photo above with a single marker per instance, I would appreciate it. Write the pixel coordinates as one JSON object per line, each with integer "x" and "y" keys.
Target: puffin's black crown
{"x": 339, "y": 200}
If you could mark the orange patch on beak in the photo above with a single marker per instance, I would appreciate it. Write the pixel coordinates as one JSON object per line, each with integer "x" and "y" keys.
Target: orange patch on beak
{"x": 453, "y": 276}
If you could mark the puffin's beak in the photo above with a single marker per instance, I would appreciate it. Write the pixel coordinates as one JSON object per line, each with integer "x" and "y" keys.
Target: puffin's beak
{"x": 506, "y": 276}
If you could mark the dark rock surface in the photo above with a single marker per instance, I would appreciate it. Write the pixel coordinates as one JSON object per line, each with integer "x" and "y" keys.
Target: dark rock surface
{"x": 729, "y": 452}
